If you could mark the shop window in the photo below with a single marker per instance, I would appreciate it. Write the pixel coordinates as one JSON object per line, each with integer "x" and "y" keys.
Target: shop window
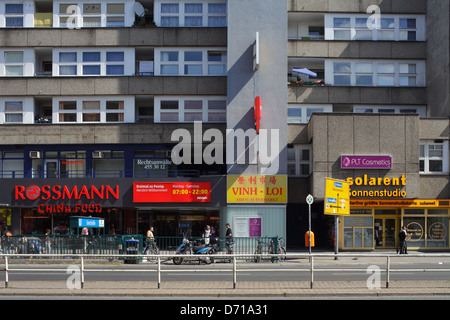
{"x": 12, "y": 164}
{"x": 109, "y": 163}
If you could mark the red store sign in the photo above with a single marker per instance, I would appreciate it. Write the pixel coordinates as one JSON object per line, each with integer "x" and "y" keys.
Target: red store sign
{"x": 59, "y": 192}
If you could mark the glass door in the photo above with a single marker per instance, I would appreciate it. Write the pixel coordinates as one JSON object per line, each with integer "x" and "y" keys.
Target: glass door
{"x": 385, "y": 232}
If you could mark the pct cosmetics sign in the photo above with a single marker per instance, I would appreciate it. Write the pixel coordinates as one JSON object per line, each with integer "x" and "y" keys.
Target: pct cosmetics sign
{"x": 366, "y": 162}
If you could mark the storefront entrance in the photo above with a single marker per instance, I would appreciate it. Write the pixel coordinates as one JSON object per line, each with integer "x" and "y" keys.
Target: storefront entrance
{"x": 385, "y": 231}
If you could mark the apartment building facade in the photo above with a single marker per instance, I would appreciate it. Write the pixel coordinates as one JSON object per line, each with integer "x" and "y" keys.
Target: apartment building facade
{"x": 146, "y": 114}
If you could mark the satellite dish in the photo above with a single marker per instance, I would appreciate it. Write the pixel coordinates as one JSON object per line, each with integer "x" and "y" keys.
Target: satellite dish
{"x": 139, "y": 9}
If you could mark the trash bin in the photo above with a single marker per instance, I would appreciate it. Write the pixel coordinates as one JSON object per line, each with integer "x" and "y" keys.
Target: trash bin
{"x": 132, "y": 248}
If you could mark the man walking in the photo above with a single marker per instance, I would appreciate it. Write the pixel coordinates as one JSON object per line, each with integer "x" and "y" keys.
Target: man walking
{"x": 229, "y": 239}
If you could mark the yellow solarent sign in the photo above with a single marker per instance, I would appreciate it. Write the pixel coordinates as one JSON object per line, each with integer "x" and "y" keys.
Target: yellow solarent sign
{"x": 257, "y": 189}
{"x": 337, "y": 197}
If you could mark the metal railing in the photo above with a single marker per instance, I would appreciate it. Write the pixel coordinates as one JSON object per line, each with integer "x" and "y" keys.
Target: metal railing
{"x": 233, "y": 270}
{"x": 117, "y": 244}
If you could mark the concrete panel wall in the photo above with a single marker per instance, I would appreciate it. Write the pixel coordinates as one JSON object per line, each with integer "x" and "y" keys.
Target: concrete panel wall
{"x": 360, "y": 134}
{"x": 113, "y": 86}
{"x": 357, "y": 49}
{"x": 37, "y": 134}
{"x": 357, "y": 95}
{"x": 113, "y": 37}
{"x": 386, "y": 6}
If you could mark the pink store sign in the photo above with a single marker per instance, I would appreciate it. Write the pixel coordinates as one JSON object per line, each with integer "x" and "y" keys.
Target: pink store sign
{"x": 366, "y": 162}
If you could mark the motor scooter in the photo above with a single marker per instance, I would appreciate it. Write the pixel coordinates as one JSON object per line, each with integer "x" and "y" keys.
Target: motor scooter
{"x": 187, "y": 248}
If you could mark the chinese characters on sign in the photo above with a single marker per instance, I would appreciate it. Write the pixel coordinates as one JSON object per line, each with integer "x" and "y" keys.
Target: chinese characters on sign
{"x": 257, "y": 188}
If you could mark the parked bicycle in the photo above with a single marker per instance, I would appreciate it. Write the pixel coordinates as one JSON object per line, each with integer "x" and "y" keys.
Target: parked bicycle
{"x": 258, "y": 251}
{"x": 150, "y": 250}
{"x": 280, "y": 249}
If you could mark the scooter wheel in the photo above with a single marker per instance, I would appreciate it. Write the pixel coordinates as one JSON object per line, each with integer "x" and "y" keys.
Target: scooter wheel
{"x": 177, "y": 260}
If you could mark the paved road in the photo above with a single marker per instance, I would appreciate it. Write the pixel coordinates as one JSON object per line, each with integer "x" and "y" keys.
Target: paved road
{"x": 247, "y": 272}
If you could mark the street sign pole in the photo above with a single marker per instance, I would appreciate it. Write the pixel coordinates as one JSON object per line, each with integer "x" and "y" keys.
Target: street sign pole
{"x": 309, "y": 238}
{"x": 309, "y": 201}
{"x": 336, "y": 236}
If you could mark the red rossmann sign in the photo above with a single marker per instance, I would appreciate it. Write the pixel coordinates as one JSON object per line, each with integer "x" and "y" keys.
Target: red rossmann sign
{"x": 58, "y": 192}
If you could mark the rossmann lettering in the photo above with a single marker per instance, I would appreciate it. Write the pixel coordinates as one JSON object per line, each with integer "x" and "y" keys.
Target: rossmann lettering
{"x": 56, "y": 192}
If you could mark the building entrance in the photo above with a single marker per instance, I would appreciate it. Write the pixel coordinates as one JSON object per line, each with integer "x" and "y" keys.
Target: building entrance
{"x": 385, "y": 231}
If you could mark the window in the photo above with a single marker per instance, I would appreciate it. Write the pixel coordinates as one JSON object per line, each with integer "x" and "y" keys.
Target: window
{"x": 92, "y": 15}
{"x": 103, "y": 109}
{"x": 389, "y": 27}
{"x": 14, "y": 15}
{"x": 14, "y": 63}
{"x": 12, "y": 163}
{"x": 217, "y": 15}
{"x": 169, "y": 15}
{"x": 13, "y": 112}
{"x": 421, "y": 110}
{"x": 342, "y": 74}
{"x": 115, "y": 15}
{"x": 302, "y": 113}
{"x": 299, "y": 160}
{"x": 191, "y": 62}
{"x": 191, "y": 14}
{"x": 433, "y": 157}
{"x": 206, "y": 109}
{"x": 375, "y": 73}
{"x": 106, "y": 62}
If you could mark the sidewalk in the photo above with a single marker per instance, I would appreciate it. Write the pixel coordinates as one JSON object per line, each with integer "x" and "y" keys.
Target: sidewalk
{"x": 212, "y": 289}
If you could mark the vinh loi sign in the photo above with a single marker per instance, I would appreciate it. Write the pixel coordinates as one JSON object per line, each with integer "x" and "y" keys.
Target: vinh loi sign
{"x": 366, "y": 162}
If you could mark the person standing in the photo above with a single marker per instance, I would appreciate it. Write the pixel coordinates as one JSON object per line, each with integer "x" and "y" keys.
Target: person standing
{"x": 402, "y": 237}
{"x": 229, "y": 239}
{"x": 206, "y": 234}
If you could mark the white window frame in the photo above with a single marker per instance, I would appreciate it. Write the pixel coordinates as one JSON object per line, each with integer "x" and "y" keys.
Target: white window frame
{"x": 426, "y": 157}
{"x": 127, "y": 110}
{"x": 27, "y": 15}
{"x": 181, "y": 14}
{"x": 298, "y": 161}
{"x": 419, "y": 75}
{"x": 78, "y": 16}
{"x": 27, "y": 63}
{"x": 181, "y": 63}
{"x": 181, "y": 111}
{"x": 421, "y": 110}
{"x": 305, "y": 111}
{"x": 397, "y": 30}
{"x": 26, "y": 112}
{"x": 128, "y": 63}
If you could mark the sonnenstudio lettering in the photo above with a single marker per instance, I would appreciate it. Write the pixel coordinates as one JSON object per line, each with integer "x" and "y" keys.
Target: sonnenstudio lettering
{"x": 57, "y": 192}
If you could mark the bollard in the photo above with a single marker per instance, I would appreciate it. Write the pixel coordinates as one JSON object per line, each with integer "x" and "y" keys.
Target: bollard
{"x": 234, "y": 272}
{"x": 82, "y": 272}
{"x": 159, "y": 272}
{"x": 6, "y": 272}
